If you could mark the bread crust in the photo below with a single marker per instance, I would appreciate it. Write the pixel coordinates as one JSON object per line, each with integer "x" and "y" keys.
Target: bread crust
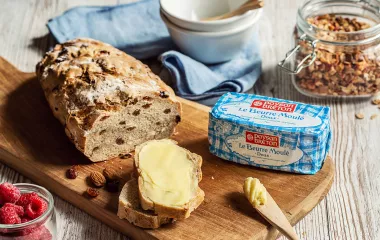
{"x": 86, "y": 81}
{"x": 130, "y": 209}
{"x": 171, "y": 211}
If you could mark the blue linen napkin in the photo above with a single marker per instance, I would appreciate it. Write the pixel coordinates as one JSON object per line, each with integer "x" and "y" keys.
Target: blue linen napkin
{"x": 138, "y": 30}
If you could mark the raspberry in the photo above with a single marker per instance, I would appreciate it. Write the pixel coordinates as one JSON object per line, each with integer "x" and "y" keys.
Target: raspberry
{"x": 25, "y": 219}
{"x": 8, "y": 215}
{"x": 24, "y": 200}
{"x": 18, "y": 209}
{"x": 9, "y": 193}
{"x": 36, "y": 207}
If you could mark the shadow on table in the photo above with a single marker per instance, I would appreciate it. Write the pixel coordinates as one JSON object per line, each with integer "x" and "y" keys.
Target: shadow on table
{"x": 43, "y": 43}
{"x": 34, "y": 129}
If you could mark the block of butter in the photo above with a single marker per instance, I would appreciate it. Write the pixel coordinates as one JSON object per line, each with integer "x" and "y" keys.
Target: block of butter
{"x": 270, "y": 133}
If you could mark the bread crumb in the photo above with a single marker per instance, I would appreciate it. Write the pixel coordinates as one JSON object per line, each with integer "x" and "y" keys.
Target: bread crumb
{"x": 120, "y": 167}
{"x": 212, "y": 177}
{"x": 373, "y": 116}
{"x": 376, "y": 101}
{"x": 359, "y": 115}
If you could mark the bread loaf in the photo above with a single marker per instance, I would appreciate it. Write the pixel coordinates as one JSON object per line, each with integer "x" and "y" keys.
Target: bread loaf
{"x": 108, "y": 101}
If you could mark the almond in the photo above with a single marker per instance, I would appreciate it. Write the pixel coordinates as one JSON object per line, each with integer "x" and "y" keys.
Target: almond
{"x": 97, "y": 179}
{"x": 110, "y": 174}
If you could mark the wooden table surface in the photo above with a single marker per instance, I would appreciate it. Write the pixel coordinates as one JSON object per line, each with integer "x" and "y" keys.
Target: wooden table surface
{"x": 351, "y": 209}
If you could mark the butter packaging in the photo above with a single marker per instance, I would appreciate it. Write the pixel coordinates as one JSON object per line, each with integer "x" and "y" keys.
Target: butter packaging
{"x": 270, "y": 133}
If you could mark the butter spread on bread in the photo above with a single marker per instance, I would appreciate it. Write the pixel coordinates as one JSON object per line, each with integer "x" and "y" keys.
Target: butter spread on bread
{"x": 167, "y": 173}
{"x": 108, "y": 101}
{"x": 168, "y": 177}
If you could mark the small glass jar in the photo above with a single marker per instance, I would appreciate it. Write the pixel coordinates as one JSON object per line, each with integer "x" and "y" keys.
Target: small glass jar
{"x": 43, "y": 228}
{"x": 337, "y": 49}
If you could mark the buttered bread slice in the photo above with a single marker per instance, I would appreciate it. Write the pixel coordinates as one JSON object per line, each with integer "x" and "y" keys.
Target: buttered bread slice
{"x": 168, "y": 177}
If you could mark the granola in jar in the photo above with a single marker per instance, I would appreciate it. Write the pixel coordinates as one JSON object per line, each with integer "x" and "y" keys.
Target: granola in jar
{"x": 340, "y": 70}
{"x": 337, "y": 50}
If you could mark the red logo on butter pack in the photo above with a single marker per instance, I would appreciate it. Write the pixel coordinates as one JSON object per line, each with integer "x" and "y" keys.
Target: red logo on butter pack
{"x": 262, "y": 139}
{"x": 274, "y": 106}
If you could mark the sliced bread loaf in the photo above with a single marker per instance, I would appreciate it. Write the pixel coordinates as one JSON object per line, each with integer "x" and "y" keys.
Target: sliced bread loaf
{"x": 130, "y": 209}
{"x": 108, "y": 101}
{"x": 168, "y": 177}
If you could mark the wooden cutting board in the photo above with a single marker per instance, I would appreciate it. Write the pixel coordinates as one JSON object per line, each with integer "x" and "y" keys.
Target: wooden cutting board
{"x": 33, "y": 142}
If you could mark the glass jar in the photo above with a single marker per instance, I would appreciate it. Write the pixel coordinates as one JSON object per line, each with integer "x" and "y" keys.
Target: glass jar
{"x": 337, "y": 51}
{"x": 42, "y": 228}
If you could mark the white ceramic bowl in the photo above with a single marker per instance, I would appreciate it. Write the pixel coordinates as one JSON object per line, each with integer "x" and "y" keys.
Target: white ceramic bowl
{"x": 212, "y": 47}
{"x": 187, "y": 14}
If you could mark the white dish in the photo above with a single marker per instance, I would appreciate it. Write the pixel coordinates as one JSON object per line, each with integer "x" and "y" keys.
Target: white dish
{"x": 212, "y": 47}
{"x": 187, "y": 14}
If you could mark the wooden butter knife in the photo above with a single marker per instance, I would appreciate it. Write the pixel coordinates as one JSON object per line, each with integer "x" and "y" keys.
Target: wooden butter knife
{"x": 263, "y": 202}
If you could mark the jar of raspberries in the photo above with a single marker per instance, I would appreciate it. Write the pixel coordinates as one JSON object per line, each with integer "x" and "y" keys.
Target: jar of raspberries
{"x": 26, "y": 213}
{"x": 337, "y": 49}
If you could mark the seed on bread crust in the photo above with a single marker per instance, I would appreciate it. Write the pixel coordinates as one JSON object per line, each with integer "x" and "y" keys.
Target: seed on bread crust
{"x": 164, "y": 94}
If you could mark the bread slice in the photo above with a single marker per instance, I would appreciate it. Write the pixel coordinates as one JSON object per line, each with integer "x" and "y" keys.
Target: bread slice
{"x": 168, "y": 177}
{"x": 130, "y": 209}
{"x": 108, "y": 101}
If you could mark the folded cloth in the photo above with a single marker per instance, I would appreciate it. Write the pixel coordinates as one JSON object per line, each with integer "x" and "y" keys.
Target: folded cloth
{"x": 138, "y": 30}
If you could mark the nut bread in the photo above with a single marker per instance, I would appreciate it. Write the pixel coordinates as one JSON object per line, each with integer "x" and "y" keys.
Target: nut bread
{"x": 164, "y": 184}
{"x": 108, "y": 101}
{"x": 130, "y": 209}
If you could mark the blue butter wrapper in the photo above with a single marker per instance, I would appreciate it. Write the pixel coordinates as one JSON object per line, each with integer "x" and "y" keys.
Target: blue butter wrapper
{"x": 270, "y": 133}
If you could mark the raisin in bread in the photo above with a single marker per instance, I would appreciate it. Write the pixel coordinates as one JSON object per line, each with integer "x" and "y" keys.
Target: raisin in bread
{"x": 108, "y": 101}
{"x": 130, "y": 209}
{"x": 168, "y": 177}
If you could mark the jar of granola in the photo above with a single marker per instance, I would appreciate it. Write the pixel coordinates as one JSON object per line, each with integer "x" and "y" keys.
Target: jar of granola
{"x": 337, "y": 49}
